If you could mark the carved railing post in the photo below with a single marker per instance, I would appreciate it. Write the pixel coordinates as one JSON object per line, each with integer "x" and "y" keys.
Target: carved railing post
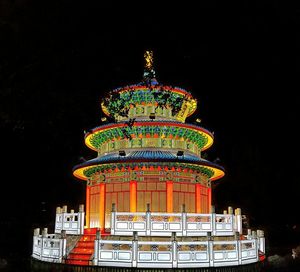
{"x": 134, "y": 249}
{"x": 238, "y": 246}
{"x": 213, "y": 220}
{"x": 148, "y": 220}
{"x": 174, "y": 250}
{"x": 96, "y": 246}
{"x": 64, "y": 211}
{"x": 238, "y": 220}
{"x": 113, "y": 219}
{"x": 210, "y": 250}
{"x": 81, "y": 219}
{"x": 183, "y": 220}
{"x": 261, "y": 241}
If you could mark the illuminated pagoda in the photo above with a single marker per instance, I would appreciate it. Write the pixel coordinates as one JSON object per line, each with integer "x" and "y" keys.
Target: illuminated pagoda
{"x": 149, "y": 185}
{"x": 149, "y": 156}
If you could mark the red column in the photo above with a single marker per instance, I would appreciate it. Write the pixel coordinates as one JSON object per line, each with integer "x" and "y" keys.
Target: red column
{"x": 87, "y": 206}
{"x": 198, "y": 198}
{"x": 132, "y": 188}
{"x": 102, "y": 207}
{"x": 209, "y": 199}
{"x": 169, "y": 196}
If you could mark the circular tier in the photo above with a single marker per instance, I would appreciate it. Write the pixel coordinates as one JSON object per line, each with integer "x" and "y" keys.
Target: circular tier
{"x": 167, "y": 102}
{"x": 149, "y": 134}
{"x": 142, "y": 160}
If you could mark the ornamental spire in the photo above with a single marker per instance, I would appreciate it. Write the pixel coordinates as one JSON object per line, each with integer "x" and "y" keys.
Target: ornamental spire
{"x": 149, "y": 73}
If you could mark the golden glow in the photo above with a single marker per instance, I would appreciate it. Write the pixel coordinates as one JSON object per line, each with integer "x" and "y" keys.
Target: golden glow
{"x": 183, "y": 113}
{"x": 218, "y": 173}
{"x": 104, "y": 109}
{"x": 102, "y": 207}
{"x": 192, "y": 106}
{"x": 198, "y": 198}
{"x": 87, "y": 205}
{"x": 169, "y": 196}
{"x": 148, "y": 60}
{"x": 133, "y": 186}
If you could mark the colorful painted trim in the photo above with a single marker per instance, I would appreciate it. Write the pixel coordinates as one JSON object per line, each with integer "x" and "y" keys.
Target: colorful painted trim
{"x": 87, "y": 169}
{"x": 151, "y": 129}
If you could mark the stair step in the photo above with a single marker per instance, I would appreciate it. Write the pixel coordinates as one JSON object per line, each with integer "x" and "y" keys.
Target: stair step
{"x": 81, "y": 257}
{"x": 85, "y": 244}
{"x": 77, "y": 262}
{"x": 83, "y": 250}
{"x": 87, "y": 238}
{"x": 90, "y": 231}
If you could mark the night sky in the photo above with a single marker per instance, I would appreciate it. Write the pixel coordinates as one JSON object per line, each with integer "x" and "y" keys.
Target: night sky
{"x": 57, "y": 59}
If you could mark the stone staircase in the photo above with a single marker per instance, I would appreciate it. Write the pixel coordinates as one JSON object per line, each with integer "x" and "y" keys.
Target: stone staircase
{"x": 83, "y": 251}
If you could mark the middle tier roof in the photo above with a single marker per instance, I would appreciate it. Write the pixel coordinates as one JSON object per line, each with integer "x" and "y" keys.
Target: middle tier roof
{"x": 156, "y": 129}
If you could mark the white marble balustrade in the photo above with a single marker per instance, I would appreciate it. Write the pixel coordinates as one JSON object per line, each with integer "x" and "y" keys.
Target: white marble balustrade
{"x": 175, "y": 254}
{"x": 184, "y": 224}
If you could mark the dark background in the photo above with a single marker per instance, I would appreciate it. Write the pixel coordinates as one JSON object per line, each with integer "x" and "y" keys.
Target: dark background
{"x": 58, "y": 58}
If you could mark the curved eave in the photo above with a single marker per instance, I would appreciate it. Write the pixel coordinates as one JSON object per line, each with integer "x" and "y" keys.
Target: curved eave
{"x": 78, "y": 170}
{"x": 150, "y": 123}
{"x": 145, "y": 88}
{"x": 176, "y": 90}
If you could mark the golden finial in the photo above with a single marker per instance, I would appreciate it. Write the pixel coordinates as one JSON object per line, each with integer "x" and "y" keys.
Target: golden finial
{"x": 149, "y": 60}
{"x": 149, "y": 73}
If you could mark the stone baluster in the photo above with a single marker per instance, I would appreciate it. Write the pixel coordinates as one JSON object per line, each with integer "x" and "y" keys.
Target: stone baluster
{"x": 134, "y": 249}
{"x": 184, "y": 220}
{"x": 174, "y": 250}
{"x": 81, "y": 219}
{"x": 58, "y": 220}
{"x": 213, "y": 220}
{"x": 248, "y": 233}
{"x": 261, "y": 241}
{"x": 148, "y": 220}
{"x": 36, "y": 232}
{"x": 96, "y": 246}
{"x": 210, "y": 250}
{"x": 113, "y": 219}
{"x": 238, "y": 220}
{"x": 63, "y": 245}
{"x": 64, "y": 210}
{"x": 230, "y": 212}
{"x": 238, "y": 246}
{"x": 44, "y": 236}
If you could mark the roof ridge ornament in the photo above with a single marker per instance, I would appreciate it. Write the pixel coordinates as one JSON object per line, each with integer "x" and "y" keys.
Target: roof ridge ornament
{"x": 149, "y": 73}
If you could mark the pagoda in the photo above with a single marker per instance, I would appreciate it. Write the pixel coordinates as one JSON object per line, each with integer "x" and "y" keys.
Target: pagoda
{"x": 148, "y": 191}
{"x": 149, "y": 155}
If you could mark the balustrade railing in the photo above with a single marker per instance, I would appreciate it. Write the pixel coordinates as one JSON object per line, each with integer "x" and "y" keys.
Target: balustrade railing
{"x": 48, "y": 247}
{"x": 184, "y": 224}
{"x": 71, "y": 222}
{"x": 173, "y": 254}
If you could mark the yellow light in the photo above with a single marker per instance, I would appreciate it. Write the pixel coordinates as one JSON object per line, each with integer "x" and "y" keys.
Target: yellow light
{"x": 132, "y": 201}
{"x": 198, "y": 198}
{"x": 102, "y": 206}
{"x": 87, "y": 205}
{"x": 148, "y": 59}
{"x": 169, "y": 196}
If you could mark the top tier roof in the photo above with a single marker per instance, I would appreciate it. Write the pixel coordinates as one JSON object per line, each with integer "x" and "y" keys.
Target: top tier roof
{"x": 149, "y": 93}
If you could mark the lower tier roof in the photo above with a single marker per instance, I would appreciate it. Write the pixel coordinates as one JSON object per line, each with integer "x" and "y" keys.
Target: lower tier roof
{"x": 147, "y": 157}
